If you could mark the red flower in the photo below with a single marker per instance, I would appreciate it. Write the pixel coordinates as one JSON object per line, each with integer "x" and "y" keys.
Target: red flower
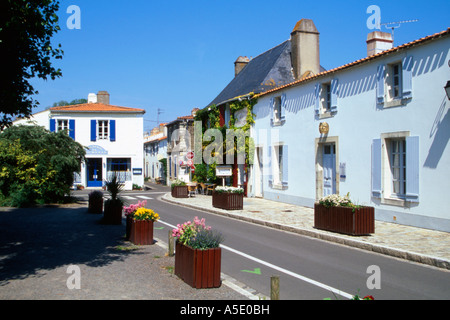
{"x": 368, "y": 298}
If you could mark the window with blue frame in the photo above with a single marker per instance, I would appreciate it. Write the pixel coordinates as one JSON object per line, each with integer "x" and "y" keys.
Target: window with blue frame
{"x": 121, "y": 168}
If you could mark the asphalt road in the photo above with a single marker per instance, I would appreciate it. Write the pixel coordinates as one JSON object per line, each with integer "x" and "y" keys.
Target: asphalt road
{"x": 308, "y": 268}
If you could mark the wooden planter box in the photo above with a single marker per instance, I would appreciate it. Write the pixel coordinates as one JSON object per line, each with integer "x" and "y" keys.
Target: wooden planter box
{"x": 140, "y": 232}
{"x": 95, "y": 205}
{"x": 180, "y": 192}
{"x": 113, "y": 213}
{"x": 198, "y": 268}
{"x": 228, "y": 201}
{"x": 355, "y": 222}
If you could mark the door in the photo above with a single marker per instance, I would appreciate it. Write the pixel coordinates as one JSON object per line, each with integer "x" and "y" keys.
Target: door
{"x": 95, "y": 173}
{"x": 329, "y": 169}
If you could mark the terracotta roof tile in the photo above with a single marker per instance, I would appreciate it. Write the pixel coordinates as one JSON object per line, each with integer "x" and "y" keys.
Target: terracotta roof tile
{"x": 357, "y": 62}
{"x": 96, "y": 107}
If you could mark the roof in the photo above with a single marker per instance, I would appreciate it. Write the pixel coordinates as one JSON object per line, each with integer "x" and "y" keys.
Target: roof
{"x": 96, "y": 107}
{"x": 272, "y": 68}
{"x": 360, "y": 61}
{"x": 179, "y": 119}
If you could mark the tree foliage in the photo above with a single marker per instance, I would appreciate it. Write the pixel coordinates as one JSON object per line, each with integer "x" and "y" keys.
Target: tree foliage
{"x": 26, "y": 29}
{"x": 37, "y": 165}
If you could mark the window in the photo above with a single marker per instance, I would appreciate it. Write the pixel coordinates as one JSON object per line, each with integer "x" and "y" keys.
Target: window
{"x": 397, "y": 163}
{"x": 63, "y": 125}
{"x": 396, "y": 168}
{"x": 326, "y": 95}
{"x": 279, "y": 171}
{"x": 278, "y": 109}
{"x": 393, "y": 81}
{"x": 103, "y": 129}
{"x": 326, "y": 98}
{"x": 121, "y": 168}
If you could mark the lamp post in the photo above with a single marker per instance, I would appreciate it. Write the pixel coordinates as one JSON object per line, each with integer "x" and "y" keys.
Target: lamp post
{"x": 447, "y": 89}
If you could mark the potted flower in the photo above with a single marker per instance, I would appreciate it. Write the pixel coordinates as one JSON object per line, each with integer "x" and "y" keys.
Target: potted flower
{"x": 228, "y": 198}
{"x": 338, "y": 214}
{"x": 179, "y": 189}
{"x": 141, "y": 228}
{"x": 95, "y": 202}
{"x": 113, "y": 206}
{"x": 198, "y": 255}
{"x": 129, "y": 213}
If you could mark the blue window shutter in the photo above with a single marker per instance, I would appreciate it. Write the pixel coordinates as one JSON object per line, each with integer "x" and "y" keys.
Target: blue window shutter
{"x": 317, "y": 98}
{"x": 269, "y": 151}
{"x": 72, "y": 129}
{"x": 380, "y": 83}
{"x": 376, "y": 168}
{"x": 407, "y": 77}
{"x": 52, "y": 125}
{"x": 334, "y": 95}
{"x": 112, "y": 130}
{"x": 285, "y": 166}
{"x": 283, "y": 107}
{"x": 93, "y": 130}
{"x": 271, "y": 108}
{"x": 412, "y": 169}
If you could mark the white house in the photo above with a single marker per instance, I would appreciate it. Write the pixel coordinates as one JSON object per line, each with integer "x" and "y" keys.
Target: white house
{"x": 377, "y": 128}
{"x": 155, "y": 149}
{"x": 112, "y": 135}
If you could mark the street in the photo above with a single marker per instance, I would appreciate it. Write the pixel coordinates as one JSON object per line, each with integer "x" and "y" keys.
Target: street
{"x": 308, "y": 268}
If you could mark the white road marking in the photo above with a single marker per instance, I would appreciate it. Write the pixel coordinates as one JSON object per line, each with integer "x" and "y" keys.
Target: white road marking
{"x": 290, "y": 273}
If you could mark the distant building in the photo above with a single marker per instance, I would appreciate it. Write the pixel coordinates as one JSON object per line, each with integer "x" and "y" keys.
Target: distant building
{"x": 155, "y": 150}
{"x": 112, "y": 135}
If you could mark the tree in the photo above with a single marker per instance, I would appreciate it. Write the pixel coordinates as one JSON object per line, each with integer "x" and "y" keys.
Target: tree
{"x": 26, "y": 28}
{"x": 37, "y": 165}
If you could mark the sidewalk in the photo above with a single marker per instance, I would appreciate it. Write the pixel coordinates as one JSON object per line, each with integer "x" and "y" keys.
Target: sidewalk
{"x": 409, "y": 243}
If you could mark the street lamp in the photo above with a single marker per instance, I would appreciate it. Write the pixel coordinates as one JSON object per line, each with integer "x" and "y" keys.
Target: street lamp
{"x": 447, "y": 89}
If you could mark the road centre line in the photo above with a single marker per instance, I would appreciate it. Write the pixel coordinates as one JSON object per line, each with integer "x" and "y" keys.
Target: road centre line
{"x": 290, "y": 273}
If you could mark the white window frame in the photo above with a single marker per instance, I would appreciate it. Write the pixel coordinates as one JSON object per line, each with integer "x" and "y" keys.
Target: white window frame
{"x": 393, "y": 83}
{"x": 62, "y": 125}
{"x": 277, "y": 110}
{"x": 103, "y": 134}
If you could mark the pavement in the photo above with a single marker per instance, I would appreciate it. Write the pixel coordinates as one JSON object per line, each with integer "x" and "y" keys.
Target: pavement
{"x": 404, "y": 242}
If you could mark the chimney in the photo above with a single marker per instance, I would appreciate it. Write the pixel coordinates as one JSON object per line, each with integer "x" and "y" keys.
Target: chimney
{"x": 378, "y": 41}
{"x": 240, "y": 64}
{"x": 305, "y": 49}
{"x": 103, "y": 97}
{"x": 92, "y": 98}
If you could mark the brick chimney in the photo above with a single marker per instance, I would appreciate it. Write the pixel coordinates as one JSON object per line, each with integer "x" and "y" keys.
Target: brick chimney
{"x": 305, "y": 49}
{"x": 378, "y": 41}
{"x": 240, "y": 64}
{"x": 103, "y": 97}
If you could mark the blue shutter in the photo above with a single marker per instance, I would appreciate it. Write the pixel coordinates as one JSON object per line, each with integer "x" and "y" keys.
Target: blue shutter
{"x": 72, "y": 129}
{"x": 381, "y": 71}
{"x": 283, "y": 107}
{"x": 407, "y": 77}
{"x": 269, "y": 151}
{"x": 112, "y": 130}
{"x": 317, "y": 98}
{"x": 285, "y": 166}
{"x": 334, "y": 95}
{"x": 93, "y": 130}
{"x": 376, "y": 168}
{"x": 412, "y": 169}
{"x": 52, "y": 125}
{"x": 271, "y": 108}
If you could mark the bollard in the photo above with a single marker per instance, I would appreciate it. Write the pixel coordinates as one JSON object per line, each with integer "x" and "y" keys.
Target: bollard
{"x": 171, "y": 244}
{"x": 275, "y": 288}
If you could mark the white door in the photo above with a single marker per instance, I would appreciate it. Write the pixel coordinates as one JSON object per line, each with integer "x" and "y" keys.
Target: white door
{"x": 329, "y": 169}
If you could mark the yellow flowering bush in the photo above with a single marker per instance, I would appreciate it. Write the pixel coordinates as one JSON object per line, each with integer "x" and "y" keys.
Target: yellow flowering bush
{"x": 144, "y": 214}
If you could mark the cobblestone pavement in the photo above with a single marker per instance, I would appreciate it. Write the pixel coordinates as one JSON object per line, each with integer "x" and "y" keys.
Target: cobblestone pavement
{"x": 410, "y": 243}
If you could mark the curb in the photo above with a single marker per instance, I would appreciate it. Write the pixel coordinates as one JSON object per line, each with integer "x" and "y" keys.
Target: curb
{"x": 393, "y": 252}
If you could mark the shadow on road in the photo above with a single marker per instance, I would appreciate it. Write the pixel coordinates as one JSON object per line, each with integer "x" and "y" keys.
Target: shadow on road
{"x": 39, "y": 239}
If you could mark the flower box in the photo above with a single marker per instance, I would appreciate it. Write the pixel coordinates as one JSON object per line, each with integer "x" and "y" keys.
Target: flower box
{"x": 228, "y": 200}
{"x": 180, "y": 192}
{"x": 346, "y": 220}
{"x": 113, "y": 212}
{"x": 198, "y": 268}
{"x": 95, "y": 202}
{"x": 141, "y": 232}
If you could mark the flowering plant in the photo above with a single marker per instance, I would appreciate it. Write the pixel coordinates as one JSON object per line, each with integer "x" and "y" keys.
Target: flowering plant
{"x": 197, "y": 235}
{"x": 229, "y": 190}
{"x": 335, "y": 200}
{"x": 144, "y": 214}
{"x": 130, "y": 210}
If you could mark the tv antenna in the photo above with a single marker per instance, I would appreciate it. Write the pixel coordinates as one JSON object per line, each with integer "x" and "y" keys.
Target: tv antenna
{"x": 160, "y": 111}
{"x": 396, "y": 25}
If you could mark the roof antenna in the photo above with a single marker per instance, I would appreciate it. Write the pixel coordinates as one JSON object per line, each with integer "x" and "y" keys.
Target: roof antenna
{"x": 396, "y": 25}
{"x": 160, "y": 111}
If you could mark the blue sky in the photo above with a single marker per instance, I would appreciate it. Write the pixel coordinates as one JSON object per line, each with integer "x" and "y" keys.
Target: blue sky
{"x": 178, "y": 55}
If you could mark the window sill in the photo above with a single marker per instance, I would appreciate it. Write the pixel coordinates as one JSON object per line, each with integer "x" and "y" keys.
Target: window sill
{"x": 396, "y": 202}
{"x": 400, "y": 102}
{"x": 277, "y": 123}
{"x": 326, "y": 115}
{"x": 278, "y": 186}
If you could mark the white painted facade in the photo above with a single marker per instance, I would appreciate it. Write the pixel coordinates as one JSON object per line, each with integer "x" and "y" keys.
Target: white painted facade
{"x": 155, "y": 149}
{"x": 390, "y": 153}
{"x": 113, "y": 139}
